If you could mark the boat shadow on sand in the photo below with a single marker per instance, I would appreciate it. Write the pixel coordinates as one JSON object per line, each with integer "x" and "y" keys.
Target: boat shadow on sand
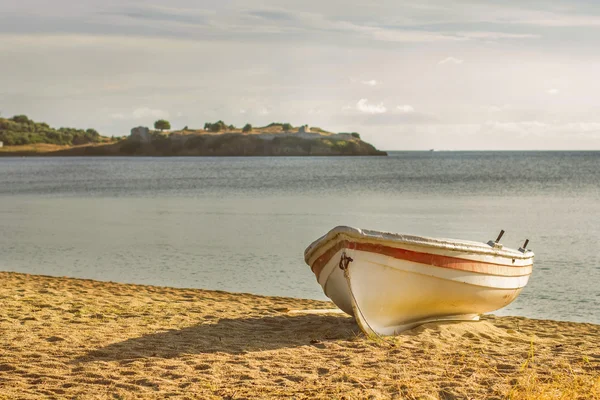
{"x": 234, "y": 336}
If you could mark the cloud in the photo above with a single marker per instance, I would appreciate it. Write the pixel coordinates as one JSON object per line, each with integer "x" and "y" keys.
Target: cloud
{"x": 264, "y": 111}
{"x": 516, "y": 127}
{"x": 541, "y": 129}
{"x": 585, "y": 127}
{"x": 145, "y": 112}
{"x": 496, "y": 35}
{"x": 406, "y": 108}
{"x": 222, "y": 21}
{"x": 397, "y": 35}
{"x": 273, "y": 15}
{"x": 552, "y": 91}
{"x": 142, "y": 113}
{"x": 305, "y": 23}
{"x": 394, "y": 119}
{"x": 559, "y": 20}
{"x": 156, "y": 13}
{"x": 363, "y": 106}
{"x": 451, "y": 60}
{"x": 372, "y": 82}
{"x": 378, "y": 115}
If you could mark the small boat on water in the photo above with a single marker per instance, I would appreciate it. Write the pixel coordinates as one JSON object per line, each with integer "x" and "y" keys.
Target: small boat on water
{"x": 393, "y": 282}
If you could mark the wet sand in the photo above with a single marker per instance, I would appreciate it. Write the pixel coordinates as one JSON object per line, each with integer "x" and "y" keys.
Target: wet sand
{"x": 73, "y": 338}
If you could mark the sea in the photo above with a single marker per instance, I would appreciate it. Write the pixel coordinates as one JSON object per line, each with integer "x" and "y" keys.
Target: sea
{"x": 242, "y": 224}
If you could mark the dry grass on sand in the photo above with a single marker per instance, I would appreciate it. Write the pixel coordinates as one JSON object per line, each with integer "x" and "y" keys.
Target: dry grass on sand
{"x": 44, "y": 148}
{"x": 71, "y": 338}
{"x": 33, "y": 148}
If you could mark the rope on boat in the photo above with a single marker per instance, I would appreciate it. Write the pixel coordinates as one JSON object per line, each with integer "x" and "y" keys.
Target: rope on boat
{"x": 344, "y": 262}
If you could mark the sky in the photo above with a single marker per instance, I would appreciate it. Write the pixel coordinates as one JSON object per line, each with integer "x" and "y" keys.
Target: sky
{"x": 460, "y": 75}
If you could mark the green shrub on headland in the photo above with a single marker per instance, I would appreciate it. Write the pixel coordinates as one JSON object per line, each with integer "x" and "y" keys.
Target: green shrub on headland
{"x": 20, "y": 130}
{"x": 216, "y": 127}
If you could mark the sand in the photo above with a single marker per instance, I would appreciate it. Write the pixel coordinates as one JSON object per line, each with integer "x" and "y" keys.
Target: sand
{"x": 73, "y": 338}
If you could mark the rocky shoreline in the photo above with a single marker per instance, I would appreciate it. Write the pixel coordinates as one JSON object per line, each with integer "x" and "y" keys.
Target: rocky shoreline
{"x": 143, "y": 142}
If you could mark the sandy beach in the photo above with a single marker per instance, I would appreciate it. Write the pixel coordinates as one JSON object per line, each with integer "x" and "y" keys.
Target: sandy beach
{"x": 74, "y": 338}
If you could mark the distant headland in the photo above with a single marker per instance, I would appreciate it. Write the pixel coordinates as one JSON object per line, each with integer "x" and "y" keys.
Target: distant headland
{"x": 20, "y": 136}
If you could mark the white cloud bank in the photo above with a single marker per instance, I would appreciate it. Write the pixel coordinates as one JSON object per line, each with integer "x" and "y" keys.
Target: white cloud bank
{"x": 552, "y": 91}
{"x": 451, "y": 60}
{"x": 364, "y": 106}
{"x": 372, "y": 82}
{"x": 142, "y": 113}
{"x": 406, "y": 108}
{"x": 145, "y": 112}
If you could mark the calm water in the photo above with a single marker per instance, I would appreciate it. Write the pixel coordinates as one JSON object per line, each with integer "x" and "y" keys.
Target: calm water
{"x": 242, "y": 224}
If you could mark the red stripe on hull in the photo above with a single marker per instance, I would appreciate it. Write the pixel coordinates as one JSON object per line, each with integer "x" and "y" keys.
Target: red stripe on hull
{"x": 436, "y": 260}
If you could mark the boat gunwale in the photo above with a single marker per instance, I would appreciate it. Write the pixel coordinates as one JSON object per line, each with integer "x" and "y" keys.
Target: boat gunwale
{"x": 392, "y": 239}
{"x": 448, "y": 262}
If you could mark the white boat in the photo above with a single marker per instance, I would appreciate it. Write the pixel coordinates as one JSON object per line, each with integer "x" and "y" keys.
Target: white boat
{"x": 392, "y": 282}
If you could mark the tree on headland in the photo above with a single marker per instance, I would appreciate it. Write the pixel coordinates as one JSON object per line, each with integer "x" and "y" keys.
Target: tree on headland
{"x": 286, "y": 127}
{"x": 162, "y": 124}
{"x": 20, "y": 130}
{"x": 92, "y": 132}
{"x": 356, "y": 135}
{"x": 247, "y": 128}
{"x": 216, "y": 127}
{"x": 21, "y": 119}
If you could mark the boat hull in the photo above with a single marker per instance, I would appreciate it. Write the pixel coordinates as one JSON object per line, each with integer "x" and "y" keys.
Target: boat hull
{"x": 388, "y": 288}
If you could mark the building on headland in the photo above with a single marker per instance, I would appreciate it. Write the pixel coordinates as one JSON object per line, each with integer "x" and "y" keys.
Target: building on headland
{"x": 141, "y": 133}
{"x": 304, "y": 129}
